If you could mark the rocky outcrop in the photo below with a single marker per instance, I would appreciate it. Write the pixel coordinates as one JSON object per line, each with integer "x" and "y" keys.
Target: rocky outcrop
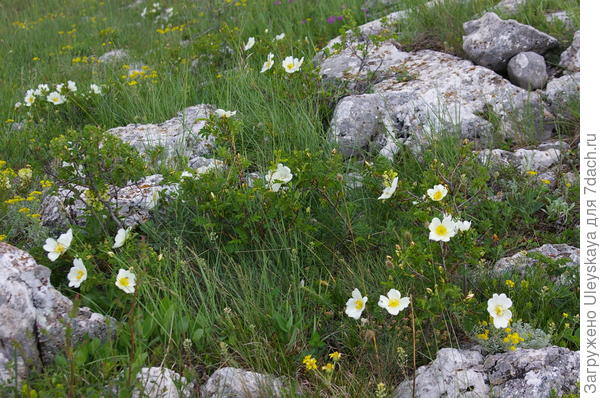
{"x": 492, "y": 42}
{"x": 35, "y": 316}
{"x": 523, "y": 260}
{"x": 178, "y": 136}
{"x": 239, "y": 383}
{"x": 531, "y": 373}
{"x": 158, "y": 382}
{"x": 560, "y": 91}
{"x": 528, "y": 70}
{"x": 132, "y": 204}
{"x": 569, "y": 59}
{"x": 453, "y": 374}
{"x": 538, "y": 159}
{"x": 432, "y": 92}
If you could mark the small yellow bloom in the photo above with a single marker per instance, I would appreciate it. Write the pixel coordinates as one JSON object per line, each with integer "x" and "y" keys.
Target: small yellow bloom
{"x": 509, "y": 283}
{"x": 565, "y": 315}
{"x": 45, "y": 183}
{"x": 309, "y": 362}
{"x": 329, "y": 367}
{"x": 2, "y": 237}
{"x": 547, "y": 182}
{"x": 335, "y": 356}
{"x": 35, "y": 58}
{"x": 524, "y": 284}
{"x": 133, "y": 83}
{"x": 532, "y": 173}
{"x": 24, "y": 210}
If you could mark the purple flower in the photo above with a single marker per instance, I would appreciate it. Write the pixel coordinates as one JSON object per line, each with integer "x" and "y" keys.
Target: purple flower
{"x": 277, "y": 2}
{"x": 331, "y": 19}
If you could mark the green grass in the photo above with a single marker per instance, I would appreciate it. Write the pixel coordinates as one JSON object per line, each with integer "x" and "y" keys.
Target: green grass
{"x": 237, "y": 276}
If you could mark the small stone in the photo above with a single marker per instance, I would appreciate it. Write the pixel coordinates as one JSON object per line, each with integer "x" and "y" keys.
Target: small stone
{"x": 528, "y": 70}
{"x": 569, "y": 59}
{"x": 510, "y": 7}
{"x": 239, "y": 383}
{"x": 492, "y": 42}
{"x": 520, "y": 261}
{"x": 561, "y": 91}
{"x": 561, "y": 16}
{"x": 113, "y": 56}
{"x": 158, "y": 382}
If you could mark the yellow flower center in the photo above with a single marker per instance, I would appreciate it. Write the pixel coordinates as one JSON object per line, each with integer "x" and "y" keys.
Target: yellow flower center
{"x": 393, "y": 303}
{"x": 60, "y": 248}
{"x": 290, "y": 66}
{"x": 55, "y": 99}
{"x": 359, "y": 304}
{"x": 124, "y": 281}
{"x": 499, "y": 310}
{"x": 80, "y": 274}
{"x": 441, "y": 230}
{"x": 437, "y": 195}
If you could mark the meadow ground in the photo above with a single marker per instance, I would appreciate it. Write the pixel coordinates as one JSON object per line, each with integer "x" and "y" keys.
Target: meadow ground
{"x": 230, "y": 274}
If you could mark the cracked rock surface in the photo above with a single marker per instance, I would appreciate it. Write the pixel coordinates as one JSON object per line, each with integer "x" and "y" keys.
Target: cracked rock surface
{"x": 35, "y": 315}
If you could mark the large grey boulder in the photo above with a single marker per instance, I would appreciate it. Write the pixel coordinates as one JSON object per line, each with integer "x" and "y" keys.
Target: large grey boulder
{"x": 179, "y": 136}
{"x": 132, "y": 204}
{"x": 453, "y": 374}
{"x": 533, "y": 373}
{"x": 528, "y": 70}
{"x": 492, "y": 42}
{"x": 239, "y": 383}
{"x": 538, "y": 159}
{"x": 437, "y": 92}
{"x": 158, "y": 382}
{"x": 523, "y": 260}
{"x": 569, "y": 59}
{"x": 34, "y": 316}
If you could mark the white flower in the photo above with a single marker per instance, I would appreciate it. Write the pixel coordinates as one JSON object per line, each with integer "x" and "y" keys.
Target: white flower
{"x": 356, "y": 305}
{"x": 59, "y": 87}
{"x": 121, "y": 237}
{"x": 291, "y": 64}
{"x": 144, "y": 11}
{"x": 389, "y": 191}
{"x": 280, "y": 36}
{"x": 249, "y": 44}
{"x": 281, "y": 175}
{"x": 268, "y": 64}
{"x": 442, "y": 230}
{"x": 394, "y": 302}
{"x": 437, "y": 193}
{"x": 211, "y": 166}
{"x": 126, "y": 281}
{"x": 18, "y": 105}
{"x": 224, "y": 114}
{"x": 186, "y": 174}
{"x": 71, "y": 86}
{"x": 56, "y": 248}
{"x": 42, "y": 88}
{"x": 29, "y": 98}
{"x": 95, "y": 89}
{"x": 498, "y": 307}
{"x": 463, "y": 225}
{"x": 56, "y": 98}
{"x": 77, "y": 273}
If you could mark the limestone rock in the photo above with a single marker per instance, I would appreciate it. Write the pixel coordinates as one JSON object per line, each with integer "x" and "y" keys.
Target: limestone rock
{"x": 133, "y": 203}
{"x": 239, "y": 383}
{"x": 561, "y": 16}
{"x": 539, "y": 159}
{"x": 158, "y": 382}
{"x": 560, "y": 91}
{"x": 453, "y": 374}
{"x": 528, "y": 70}
{"x": 178, "y": 136}
{"x": 510, "y": 7}
{"x": 533, "y": 373}
{"x": 569, "y": 59}
{"x": 113, "y": 56}
{"x": 520, "y": 261}
{"x": 35, "y": 316}
{"x": 441, "y": 92}
{"x": 492, "y": 42}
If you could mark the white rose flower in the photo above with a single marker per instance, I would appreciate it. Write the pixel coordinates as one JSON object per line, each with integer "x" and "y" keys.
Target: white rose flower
{"x": 498, "y": 307}
{"x": 356, "y": 304}
{"x": 126, "y": 281}
{"x": 394, "y": 302}
{"x": 77, "y": 273}
{"x": 56, "y": 248}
